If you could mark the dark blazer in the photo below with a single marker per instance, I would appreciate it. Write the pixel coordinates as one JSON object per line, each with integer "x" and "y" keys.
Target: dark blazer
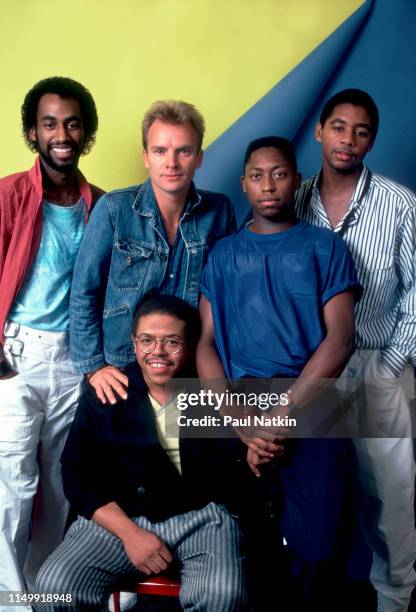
{"x": 113, "y": 454}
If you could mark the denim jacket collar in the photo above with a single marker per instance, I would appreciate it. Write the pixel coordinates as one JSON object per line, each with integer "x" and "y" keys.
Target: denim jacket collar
{"x": 145, "y": 203}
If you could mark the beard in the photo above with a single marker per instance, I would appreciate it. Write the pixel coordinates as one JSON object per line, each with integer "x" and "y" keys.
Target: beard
{"x": 66, "y": 167}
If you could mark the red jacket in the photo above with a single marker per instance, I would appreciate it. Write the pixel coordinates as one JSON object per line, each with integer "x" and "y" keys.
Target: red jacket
{"x": 21, "y": 197}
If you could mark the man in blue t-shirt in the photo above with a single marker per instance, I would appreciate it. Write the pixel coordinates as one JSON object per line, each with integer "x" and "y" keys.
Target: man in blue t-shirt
{"x": 278, "y": 301}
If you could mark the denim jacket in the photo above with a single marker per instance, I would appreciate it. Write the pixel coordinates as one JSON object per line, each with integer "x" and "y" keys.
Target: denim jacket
{"x": 123, "y": 256}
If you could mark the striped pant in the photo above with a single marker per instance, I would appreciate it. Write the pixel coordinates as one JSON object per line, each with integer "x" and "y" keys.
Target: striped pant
{"x": 92, "y": 563}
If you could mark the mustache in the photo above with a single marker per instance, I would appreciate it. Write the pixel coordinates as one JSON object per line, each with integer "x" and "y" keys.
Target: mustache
{"x": 161, "y": 360}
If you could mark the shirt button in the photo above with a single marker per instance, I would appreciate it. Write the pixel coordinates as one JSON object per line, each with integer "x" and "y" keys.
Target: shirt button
{"x": 171, "y": 275}
{"x": 141, "y": 491}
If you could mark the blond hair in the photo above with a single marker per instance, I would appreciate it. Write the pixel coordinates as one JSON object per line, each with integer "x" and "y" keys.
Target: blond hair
{"x": 175, "y": 112}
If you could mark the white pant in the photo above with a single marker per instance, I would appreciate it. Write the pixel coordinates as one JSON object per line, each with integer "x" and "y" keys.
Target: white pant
{"x": 386, "y": 476}
{"x": 36, "y": 409}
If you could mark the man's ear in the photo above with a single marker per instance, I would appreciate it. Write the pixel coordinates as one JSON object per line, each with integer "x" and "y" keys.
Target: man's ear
{"x": 298, "y": 180}
{"x": 32, "y": 134}
{"x": 318, "y": 132}
{"x": 144, "y": 157}
{"x": 243, "y": 183}
{"x": 200, "y": 158}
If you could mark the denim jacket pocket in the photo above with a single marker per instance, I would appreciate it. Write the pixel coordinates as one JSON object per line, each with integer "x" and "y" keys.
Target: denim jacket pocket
{"x": 117, "y": 323}
{"x": 130, "y": 263}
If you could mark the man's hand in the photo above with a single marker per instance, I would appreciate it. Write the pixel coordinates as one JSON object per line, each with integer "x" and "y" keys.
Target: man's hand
{"x": 266, "y": 449}
{"x": 261, "y": 451}
{"x": 107, "y": 382}
{"x": 254, "y": 460}
{"x": 147, "y": 552}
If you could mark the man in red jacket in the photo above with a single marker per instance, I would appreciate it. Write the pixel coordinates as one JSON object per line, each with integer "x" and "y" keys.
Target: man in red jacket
{"x": 42, "y": 218}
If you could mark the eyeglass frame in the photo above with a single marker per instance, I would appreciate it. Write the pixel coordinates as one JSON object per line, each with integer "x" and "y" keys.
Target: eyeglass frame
{"x": 162, "y": 340}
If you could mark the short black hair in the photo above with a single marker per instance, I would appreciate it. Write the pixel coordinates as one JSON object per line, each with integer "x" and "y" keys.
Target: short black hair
{"x": 277, "y": 142}
{"x": 65, "y": 88}
{"x": 356, "y": 97}
{"x": 176, "y": 307}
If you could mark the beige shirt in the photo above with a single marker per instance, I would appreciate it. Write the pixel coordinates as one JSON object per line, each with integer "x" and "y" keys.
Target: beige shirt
{"x": 167, "y": 429}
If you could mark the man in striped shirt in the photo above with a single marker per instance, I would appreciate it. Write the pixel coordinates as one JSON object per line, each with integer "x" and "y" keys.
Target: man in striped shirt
{"x": 377, "y": 219}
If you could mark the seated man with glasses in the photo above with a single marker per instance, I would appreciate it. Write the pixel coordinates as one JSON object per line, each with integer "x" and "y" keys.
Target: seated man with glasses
{"x": 137, "y": 491}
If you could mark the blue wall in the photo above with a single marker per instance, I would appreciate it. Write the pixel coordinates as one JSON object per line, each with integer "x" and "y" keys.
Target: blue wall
{"x": 374, "y": 50}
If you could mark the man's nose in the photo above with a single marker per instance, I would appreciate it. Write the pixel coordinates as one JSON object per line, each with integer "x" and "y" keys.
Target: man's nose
{"x": 172, "y": 159}
{"x": 348, "y": 137}
{"x": 159, "y": 348}
{"x": 267, "y": 183}
{"x": 61, "y": 132}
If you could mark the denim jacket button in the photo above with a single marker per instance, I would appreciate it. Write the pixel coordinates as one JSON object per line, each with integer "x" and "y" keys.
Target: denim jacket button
{"x": 163, "y": 256}
{"x": 141, "y": 491}
{"x": 128, "y": 260}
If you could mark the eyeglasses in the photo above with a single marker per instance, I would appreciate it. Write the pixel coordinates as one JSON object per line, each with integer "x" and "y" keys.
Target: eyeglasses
{"x": 147, "y": 343}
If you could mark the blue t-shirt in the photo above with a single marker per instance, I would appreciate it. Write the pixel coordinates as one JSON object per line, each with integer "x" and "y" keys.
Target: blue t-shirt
{"x": 267, "y": 293}
{"x": 43, "y": 300}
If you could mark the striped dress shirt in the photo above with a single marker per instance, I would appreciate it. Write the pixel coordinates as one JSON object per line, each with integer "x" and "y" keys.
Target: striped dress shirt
{"x": 380, "y": 231}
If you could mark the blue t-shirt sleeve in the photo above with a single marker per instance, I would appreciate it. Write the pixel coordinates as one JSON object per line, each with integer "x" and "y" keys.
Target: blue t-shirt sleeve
{"x": 340, "y": 274}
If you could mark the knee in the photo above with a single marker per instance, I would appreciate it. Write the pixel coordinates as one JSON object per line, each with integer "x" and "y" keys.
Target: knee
{"x": 45, "y": 579}
{"x": 55, "y": 576}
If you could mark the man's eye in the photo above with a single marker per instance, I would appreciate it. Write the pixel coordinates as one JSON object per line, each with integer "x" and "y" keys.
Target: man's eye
{"x": 361, "y": 133}
{"x": 146, "y": 340}
{"x": 279, "y": 175}
{"x": 255, "y": 177}
{"x": 172, "y": 342}
{"x": 49, "y": 126}
{"x": 74, "y": 126}
{"x": 185, "y": 151}
{"x": 158, "y": 151}
{"x": 338, "y": 128}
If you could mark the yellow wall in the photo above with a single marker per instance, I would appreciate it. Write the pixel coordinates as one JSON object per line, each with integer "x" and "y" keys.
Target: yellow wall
{"x": 221, "y": 55}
